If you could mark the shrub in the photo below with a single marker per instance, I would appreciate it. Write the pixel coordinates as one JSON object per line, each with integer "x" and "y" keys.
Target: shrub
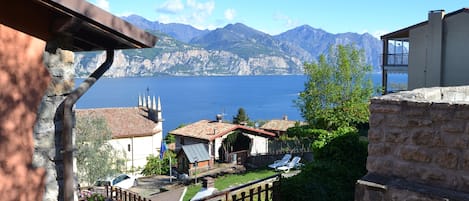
{"x": 332, "y": 176}
{"x": 157, "y": 166}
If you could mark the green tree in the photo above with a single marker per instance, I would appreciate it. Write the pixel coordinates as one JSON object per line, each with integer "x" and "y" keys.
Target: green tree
{"x": 169, "y": 138}
{"x": 157, "y": 166}
{"x": 96, "y": 158}
{"x": 241, "y": 117}
{"x": 337, "y": 90}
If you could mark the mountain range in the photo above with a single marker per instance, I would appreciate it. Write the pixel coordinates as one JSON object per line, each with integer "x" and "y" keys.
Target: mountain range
{"x": 235, "y": 49}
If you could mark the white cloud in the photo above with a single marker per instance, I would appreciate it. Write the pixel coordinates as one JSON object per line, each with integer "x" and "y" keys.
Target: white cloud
{"x": 230, "y": 14}
{"x": 192, "y": 12}
{"x": 171, "y": 6}
{"x": 206, "y": 7}
{"x": 285, "y": 20}
{"x": 104, "y": 4}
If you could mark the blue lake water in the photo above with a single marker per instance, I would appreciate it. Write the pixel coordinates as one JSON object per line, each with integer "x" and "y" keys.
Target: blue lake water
{"x": 188, "y": 99}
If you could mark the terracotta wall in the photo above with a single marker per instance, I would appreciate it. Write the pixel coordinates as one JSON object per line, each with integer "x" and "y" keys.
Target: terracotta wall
{"x": 23, "y": 80}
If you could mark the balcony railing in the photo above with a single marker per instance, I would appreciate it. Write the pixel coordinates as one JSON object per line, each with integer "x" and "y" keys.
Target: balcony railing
{"x": 401, "y": 59}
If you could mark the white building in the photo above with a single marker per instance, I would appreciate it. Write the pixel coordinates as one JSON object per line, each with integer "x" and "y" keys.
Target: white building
{"x": 138, "y": 131}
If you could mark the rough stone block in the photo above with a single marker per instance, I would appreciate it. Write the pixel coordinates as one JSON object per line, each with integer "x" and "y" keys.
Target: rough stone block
{"x": 455, "y": 126}
{"x": 439, "y": 115}
{"x": 447, "y": 158}
{"x": 379, "y": 165}
{"x": 465, "y": 163}
{"x": 67, "y": 57}
{"x": 376, "y": 119}
{"x": 379, "y": 149}
{"x": 396, "y": 121}
{"x": 403, "y": 169}
{"x": 396, "y": 135}
{"x": 423, "y": 136}
{"x": 382, "y": 108}
{"x": 375, "y": 135}
{"x": 415, "y": 112}
{"x": 431, "y": 175}
{"x": 455, "y": 141}
{"x": 462, "y": 113}
{"x": 413, "y": 153}
{"x": 419, "y": 122}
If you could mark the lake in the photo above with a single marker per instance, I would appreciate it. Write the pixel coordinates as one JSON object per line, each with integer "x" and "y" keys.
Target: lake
{"x": 188, "y": 99}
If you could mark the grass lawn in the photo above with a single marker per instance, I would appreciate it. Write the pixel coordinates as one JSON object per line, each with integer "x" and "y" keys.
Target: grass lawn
{"x": 230, "y": 181}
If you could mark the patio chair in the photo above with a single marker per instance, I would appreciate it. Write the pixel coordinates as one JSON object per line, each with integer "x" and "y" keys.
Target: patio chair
{"x": 281, "y": 162}
{"x": 294, "y": 163}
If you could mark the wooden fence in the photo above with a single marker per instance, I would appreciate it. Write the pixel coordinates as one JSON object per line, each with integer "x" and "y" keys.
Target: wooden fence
{"x": 260, "y": 190}
{"x": 116, "y": 193}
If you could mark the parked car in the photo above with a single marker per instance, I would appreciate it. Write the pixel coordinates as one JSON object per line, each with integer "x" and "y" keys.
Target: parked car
{"x": 122, "y": 181}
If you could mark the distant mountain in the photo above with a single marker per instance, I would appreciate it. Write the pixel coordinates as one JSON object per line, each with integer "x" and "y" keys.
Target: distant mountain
{"x": 247, "y": 42}
{"x": 235, "y": 49}
{"x": 318, "y": 41}
{"x": 180, "y": 32}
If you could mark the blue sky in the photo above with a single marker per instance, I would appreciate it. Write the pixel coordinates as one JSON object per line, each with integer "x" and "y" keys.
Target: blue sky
{"x": 276, "y": 16}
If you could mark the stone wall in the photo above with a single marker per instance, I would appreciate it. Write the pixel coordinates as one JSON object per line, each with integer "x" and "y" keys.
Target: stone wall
{"x": 418, "y": 146}
{"x": 48, "y": 128}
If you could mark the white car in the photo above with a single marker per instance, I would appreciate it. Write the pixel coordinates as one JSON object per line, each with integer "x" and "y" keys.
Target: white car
{"x": 123, "y": 181}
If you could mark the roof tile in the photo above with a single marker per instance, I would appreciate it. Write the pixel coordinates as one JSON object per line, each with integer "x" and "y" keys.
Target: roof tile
{"x": 123, "y": 122}
{"x": 209, "y": 130}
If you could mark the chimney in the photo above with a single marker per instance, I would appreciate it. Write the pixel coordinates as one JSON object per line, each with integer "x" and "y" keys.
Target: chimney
{"x": 139, "y": 101}
{"x": 285, "y": 117}
{"x": 434, "y": 41}
{"x": 219, "y": 118}
{"x": 148, "y": 103}
{"x": 144, "y": 102}
{"x": 152, "y": 110}
{"x": 207, "y": 182}
{"x": 158, "y": 111}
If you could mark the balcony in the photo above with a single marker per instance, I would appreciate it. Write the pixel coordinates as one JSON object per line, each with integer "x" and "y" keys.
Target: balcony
{"x": 396, "y": 63}
{"x": 395, "y": 55}
{"x": 395, "y": 58}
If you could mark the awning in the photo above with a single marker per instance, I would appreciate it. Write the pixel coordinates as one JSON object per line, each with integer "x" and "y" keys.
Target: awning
{"x": 77, "y": 24}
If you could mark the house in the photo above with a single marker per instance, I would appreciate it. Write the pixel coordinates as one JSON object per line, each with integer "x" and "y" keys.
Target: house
{"x": 137, "y": 131}
{"x": 193, "y": 159}
{"x": 37, "y": 40}
{"x": 242, "y": 140}
{"x": 280, "y": 126}
{"x": 432, "y": 53}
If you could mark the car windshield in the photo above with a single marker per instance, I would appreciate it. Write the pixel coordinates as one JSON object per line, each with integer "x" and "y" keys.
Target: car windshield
{"x": 120, "y": 178}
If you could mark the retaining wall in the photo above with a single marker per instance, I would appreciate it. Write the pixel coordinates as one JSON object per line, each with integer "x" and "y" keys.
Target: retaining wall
{"x": 418, "y": 146}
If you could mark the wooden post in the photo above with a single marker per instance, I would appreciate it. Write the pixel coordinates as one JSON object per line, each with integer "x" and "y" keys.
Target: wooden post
{"x": 266, "y": 192}
{"x": 259, "y": 193}
{"x": 276, "y": 191}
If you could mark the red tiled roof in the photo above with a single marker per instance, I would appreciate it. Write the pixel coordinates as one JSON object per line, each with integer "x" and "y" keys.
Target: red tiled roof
{"x": 279, "y": 125}
{"x": 123, "y": 122}
{"x": 209, "y": 130}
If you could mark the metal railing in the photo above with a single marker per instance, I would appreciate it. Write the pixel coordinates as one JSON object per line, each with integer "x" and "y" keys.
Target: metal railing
{"x": 399, "y": 59}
